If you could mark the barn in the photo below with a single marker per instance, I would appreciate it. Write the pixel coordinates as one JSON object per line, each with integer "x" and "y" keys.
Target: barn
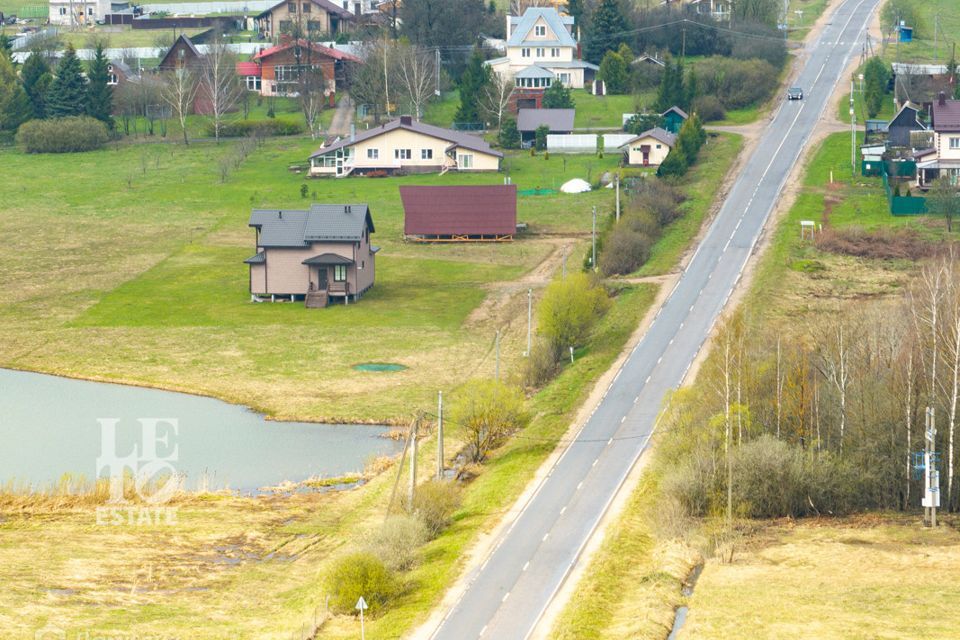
{"x": 482, "y": 213}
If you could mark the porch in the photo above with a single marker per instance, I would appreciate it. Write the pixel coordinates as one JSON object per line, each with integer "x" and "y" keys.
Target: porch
{"x": 329, "y": 277}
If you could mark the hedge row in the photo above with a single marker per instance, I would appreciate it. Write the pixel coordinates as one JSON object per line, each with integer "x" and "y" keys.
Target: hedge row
{"x": 244, "y": 128}
{"x": 62, "y": 135}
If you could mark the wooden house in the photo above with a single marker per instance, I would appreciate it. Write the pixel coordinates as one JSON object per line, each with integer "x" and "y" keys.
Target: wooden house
{"x": 275, "y": 71}
{"x": 310, "y": 19}
{"x": 316, "y": 255}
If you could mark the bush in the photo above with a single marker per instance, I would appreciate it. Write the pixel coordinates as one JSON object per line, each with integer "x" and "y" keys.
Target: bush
{"x": 434, "y": 503}
{"x": 243, "y": 128}
{"x": 62, "y": 135}
{"x": 361, "y": 574}
{"x": 541, "y": 365}
{"x": 764, "y": 47}
{"x": 624, "y": 251}
{"x": 736, "y": 83}
{"x": 396, "y": 542}
{"x": 660, "y": 198}
{"x": 709, "y": 108}
{"x": 488, "y": 411}
{"x": 674, "y": 165}
{"x": 540, "y": 137}
{"x": 569, "y": 309}
{"x": 509, "y": 135}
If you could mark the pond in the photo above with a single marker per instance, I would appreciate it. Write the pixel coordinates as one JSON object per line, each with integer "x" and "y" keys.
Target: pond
{"x": 51, "y": 426}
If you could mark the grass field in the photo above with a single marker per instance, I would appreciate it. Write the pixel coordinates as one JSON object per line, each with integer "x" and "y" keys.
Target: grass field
{"x": 148, "y": 285}
{"x": 867, "y": 577}
{"x": 925, "y": 48}
{"x": 800, "y": 23}
{"x": 126, "y": 38}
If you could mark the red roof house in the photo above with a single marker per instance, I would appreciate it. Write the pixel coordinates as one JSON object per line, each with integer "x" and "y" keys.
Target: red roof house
{"x": 460, "y": 213}
{"x": 273, "y": 71}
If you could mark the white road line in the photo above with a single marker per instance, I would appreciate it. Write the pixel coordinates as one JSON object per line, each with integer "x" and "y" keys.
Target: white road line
{"x": 579, "y": 485}
{"x": 562, "y": 510}
{"x": 595, "y": 462}
{"x": 505, "y": 596}
{"x": 545, "y": 536}
{"x": 526, "y": 564}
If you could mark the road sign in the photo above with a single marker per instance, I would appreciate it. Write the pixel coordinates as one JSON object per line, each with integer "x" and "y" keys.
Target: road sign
{"x": 361, "y": 607}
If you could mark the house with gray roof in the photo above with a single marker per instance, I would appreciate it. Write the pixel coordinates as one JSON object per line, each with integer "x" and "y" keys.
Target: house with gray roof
{"x": 543, "y": 38}
{"x": 649, "y": 149}
{"x": 404, "y": 145}
{"x": 317, "y": 255}
{"x": 557, "y": 120}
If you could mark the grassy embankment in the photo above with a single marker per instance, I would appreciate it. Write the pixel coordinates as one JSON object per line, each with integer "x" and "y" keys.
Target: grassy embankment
{"x": 800, "y": 24}
{"x": 776, "y": 581}
{"x": 922, "y": 49}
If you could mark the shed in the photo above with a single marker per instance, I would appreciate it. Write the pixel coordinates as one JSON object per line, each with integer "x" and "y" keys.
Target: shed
{"x": 673, "y": 119}
{"x": 456, "y": 213}
{"x": 906, "y": 120}
{"x": 557, "y": 120}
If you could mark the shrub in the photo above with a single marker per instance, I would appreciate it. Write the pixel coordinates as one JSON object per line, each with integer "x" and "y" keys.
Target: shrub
{"x": 396, "y": 542}
{"x": 540, "y": 137}
{"x": 488, "y": 411}
{"x": 361, "y": 574}
{"x": 62, "y": 135}
{"x": 509, "y": 136}
{"x": 674, "y": 165}
{"x": 660, "y": 198}
{"x": 569, "y": 309}
{"x": 624, "y": 251}
{"x": 541, "y": 364}
{"x": 243, "y": 128}
{"x": 434, "y": 503}
{"x": 709, "y": 108}
{"x": 736, "y": 83}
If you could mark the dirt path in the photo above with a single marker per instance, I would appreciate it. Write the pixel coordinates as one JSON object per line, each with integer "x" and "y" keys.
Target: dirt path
{"x": 342, "y": 118}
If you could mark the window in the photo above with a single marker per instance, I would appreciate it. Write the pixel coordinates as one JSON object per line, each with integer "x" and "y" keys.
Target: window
{"x": 89, "y": 11}
{"x": 253, "y": 83}
{"x": 63, "y": 11}
{"x": 555, "y": 52}
{"x": 565, "y": 78}
{"x": 525, "y": 52}
{"x": 373, "y": 154}
{"x": 540, "y": 30}
{"x": 466, "y": 161}
{"x": 112, "y": 80}
{"x": 339, "y": 273}
{"x": 658, "y": 146}
{"x": 291, "y": 7}
{"x": 426, "y": 154}
{"x": 955, "y": 143}
{"x": 306, "y": 7}
{"x": 539, "y": 52}
{"x": 402, "y": 154}
{"x": 363, "y": 264}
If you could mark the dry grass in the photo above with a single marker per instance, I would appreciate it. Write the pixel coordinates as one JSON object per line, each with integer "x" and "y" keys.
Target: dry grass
{"x": 867, "y": 577}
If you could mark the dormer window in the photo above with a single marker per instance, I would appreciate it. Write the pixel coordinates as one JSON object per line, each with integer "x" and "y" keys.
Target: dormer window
{"x": 540, "y": 30}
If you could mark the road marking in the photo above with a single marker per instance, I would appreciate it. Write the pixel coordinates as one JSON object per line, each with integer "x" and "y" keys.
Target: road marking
{"x": 610, "y": 441}
{"x": 505, "y": 596}
{"x": 579, "y": 484}
{"x": 545, "y": 536}
{"x": 671, "y": 341}
{"x": 647, "y": 381}
{"x": 595, "y": 462}
{"x": 526, "y": 564}
{"x": 562, "y": 510}
{"x": 484, "y": 630}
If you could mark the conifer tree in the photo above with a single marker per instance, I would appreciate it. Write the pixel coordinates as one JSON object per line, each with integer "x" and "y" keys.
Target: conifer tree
{"x": 14, "y": 104}
{"x": 608, "y": 28}
{"x": 67, "y": 95}
{"x": 475, "y": 77}
{"x": 36, "y": 77}
{"x": 557, "y": 96}
{"x": 99, "y": 94}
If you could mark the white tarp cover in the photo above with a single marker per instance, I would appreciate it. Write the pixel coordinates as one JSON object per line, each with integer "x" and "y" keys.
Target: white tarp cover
{"x": 575, "y": 186}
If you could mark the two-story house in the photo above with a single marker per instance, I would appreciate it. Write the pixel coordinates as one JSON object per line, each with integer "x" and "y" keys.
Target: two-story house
{"x": 275, "y": 71}
{"x": 404, "y": 145}
{"x": 310, "y": 19}
{"x": 542, "y": 38}
{"x": 314, "y": 255}
{"x": 76, "y": 13}
{"x": 943, "y": 160}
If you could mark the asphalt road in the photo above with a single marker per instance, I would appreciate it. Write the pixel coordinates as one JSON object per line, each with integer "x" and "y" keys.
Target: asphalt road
{"x": 509, "y": 592}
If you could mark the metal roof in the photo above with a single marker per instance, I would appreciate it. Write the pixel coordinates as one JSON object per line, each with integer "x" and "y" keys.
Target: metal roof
{"x": 570, "y": 64}
{"x": 557, "y": 119}
{"x": 455, "y": 210}
{"x": 675, "y": 109}
{"x": 657, "y": 133}
{"x": 321, "y": 223}
{"x": 946, "y": 116}
{"x": 535, "y": 71}
{"x": 260, "y": 258}
{"x": 326, "y": 5}
{"x": 456, "y": 138}
{"x": 328, "y": 258}
{"x": 317, "y": 48}
{"x": 524, "y": 25}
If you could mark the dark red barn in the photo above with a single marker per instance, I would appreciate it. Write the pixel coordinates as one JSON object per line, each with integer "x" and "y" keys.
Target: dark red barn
{"x": 460, "y": 213}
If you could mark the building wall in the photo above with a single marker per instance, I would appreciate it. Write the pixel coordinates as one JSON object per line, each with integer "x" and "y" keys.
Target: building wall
{"x": 258, "y": 279}
{"x": 285, "y": 273}
{"x": 481, "y": 161}
{"x": 323, "y": 23}
{"x": 84, "y": 12}
{"x": 658, "y": 152}
{"x": 944, "y": 152}
{"x": 269, "y": 87}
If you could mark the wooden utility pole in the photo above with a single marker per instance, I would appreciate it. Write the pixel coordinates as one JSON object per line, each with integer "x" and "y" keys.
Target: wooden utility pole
{"x": 411, "y": 490}
{"x": 440, "y": 435}
{"x": 396, "y": 482}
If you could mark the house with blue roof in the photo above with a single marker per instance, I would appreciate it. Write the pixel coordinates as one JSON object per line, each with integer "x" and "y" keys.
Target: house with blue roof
{"x": 541, "y": 50}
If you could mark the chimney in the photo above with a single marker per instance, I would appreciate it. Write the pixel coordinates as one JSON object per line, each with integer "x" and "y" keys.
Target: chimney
{"x": 406, "y": 120}
{"x": 353, "y": 132}
{"x": 942, "y": 99}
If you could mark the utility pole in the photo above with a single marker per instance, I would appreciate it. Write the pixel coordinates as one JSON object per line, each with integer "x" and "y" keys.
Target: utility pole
{"x": 617, "y": 178}
{"x": 413, "y": 462}
{"x": 529, "y": 322}
{"x": 386, "y": 82}
{"x": 931, "y": 475}
{"x": 853, "y": 137}
{"x": 436, "y": 91}
{"x": 593, "y": 255}
{"x": 440, "y": 435}
{"x": 496, "y": 374}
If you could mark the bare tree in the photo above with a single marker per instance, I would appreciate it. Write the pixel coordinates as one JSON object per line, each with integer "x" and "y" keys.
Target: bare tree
{"x": 311, "y": 91}
{"x": 416, "y": 72}
{"x": 367, "y": 81}
{"x": 951, "y": 384}
{"x": 495, "y": 97}
{"x": 833, "y": 351}
{"x": 218, "y": 79}
{"x": 178, "y": 92}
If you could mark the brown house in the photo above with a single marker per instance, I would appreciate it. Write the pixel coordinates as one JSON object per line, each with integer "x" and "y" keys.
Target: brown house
{"x": 313, "y": 19}
{"x": 313, "y": 255}
{"x": 460, "y": 213}
{"x": 274, "y": 71}
{"x": 185, "y": 55}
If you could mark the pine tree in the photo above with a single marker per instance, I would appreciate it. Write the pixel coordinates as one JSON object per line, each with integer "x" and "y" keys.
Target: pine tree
{"x": 607, "y": 30}
{"x": 6, "y": 44}
{"x": 614, "y": 73}
{"x": 36, "y": 78}
{"x": 675, "y": 164}
{"x": 672, "y": 91}
{"x": 14, "y": 104}
{"x": 67, "y": 95}
{"x": 575, "y": 10}
{"x": 690, "y": 139}
{"x": 557, "y": 96}
{"x": 509, "y": 136}
{"x": 99, "y": 93}
{"x": 475, "y": 77}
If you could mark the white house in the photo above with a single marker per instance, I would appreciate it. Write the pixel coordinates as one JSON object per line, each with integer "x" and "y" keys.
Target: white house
{"x": 650, "y": 148}
{"x": 542, "y": 38}
{"x": 943, "y": 160}
{"x": 72, "y": 13}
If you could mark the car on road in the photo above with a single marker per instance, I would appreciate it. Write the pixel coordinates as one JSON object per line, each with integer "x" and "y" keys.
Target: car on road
{"x": 795, "y": 93}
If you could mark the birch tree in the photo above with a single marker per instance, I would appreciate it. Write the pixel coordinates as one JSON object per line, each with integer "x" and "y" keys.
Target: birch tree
{"x": 416, "y": 73}
{"x": 495, "y": 97}
{"x": 311, "y": 93}
{"x": 833, "y": 351}
{"x": 951, "y": 383}
{"x": 178, "y": 92}
{"x": 218, "y": 80}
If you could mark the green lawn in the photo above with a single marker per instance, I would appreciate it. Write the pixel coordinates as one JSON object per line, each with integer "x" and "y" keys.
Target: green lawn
{"x": 127, "y": 38}
{"x": 155, "y": 245}
{"x": 922, "y": 49}
{"x": 606, "y": 112}
{"x": 800, "y": 24}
